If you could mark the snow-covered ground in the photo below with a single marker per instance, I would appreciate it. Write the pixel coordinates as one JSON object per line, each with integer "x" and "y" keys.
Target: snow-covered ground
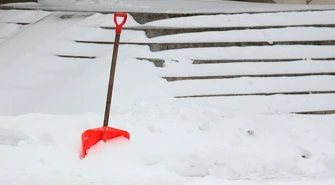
{"x": 48, "y": 101}
{"x": 170, "y": 144}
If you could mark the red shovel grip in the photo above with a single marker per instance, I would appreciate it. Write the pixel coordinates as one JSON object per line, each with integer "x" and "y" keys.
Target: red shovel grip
{"x": 119, "y": 26}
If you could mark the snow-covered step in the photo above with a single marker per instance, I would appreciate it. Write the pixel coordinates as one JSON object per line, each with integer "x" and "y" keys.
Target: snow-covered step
{"x": 267, "y": 35}
{"x": 151, "y": 31}
{"x": 263, "y": 35}
{"x": 7, "y": 30}
{"x": 210, "y": 77}
{"x": 251, "y": 68}
{"x": 161, "y": 62}
{"x": 154, "y": 47}
{"x": 274, "y": 19}
{"x": 253, "y": 52}
{"x": 145, "y": 11}
{"x": 22, "y": 16}
{"x": 258, "y": 94}
{"x": 285, "y": 36}
{"x": 237, "y": 19}
{"x": 268, "y": 104}
{"x": 216, "y": 21}
{"x": 231, "y": 53}
{"x": 233, "y": 18}
{"x": 252, "y": 85}
{"x": 27, "y": 41}
{"x": 12, "y": 21}
{"x": 208, "y": 61}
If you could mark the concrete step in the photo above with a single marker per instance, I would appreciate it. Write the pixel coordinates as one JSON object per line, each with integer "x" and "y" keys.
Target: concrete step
{"x": 72, "y": 56}
{"x": 172, "y": 46}
{"x": 19, "y": 23}
{"x": 179, "y": 78}
{"x": 196, "y": 61}
{"x": 259, "y": 94}
{"x": 160, "y": 62}
{"x": 152, "y": 31}
{"x": 321, "y": 112}
{"x": 143, "y": 18}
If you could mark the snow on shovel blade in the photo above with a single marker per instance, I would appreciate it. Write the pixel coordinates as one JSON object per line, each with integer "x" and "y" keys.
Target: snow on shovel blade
{"x": 93, "y": 136}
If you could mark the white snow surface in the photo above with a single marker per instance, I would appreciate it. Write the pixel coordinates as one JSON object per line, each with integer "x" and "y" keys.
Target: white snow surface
{"x": 268, "y": 35}
{"x": 167, "y": 6}
{"x": 170, "y": 144}
{"x": 245, "y": 19}
{"x": 46, "y": 102}
{"x": 22, "y": 16}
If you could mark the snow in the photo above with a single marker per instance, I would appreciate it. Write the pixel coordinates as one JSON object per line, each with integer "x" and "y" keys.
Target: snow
{"x": 267, "y": 104}
{"x": 11, "y": 22}
{"x": 238, "y": 20}
{"x": 251, "y": 68}
{"x": 266, "y": 52}
{"x": 6, "y": 30}
{"x": 166, "y": 6}
{"x": 22, "y": 16}
{"x": 269, "y": 35}
{"x": 23, "y": 42}
{"x": 78, "y": 2}
{"x": 211, "y": 144}
{"x": 48, "y": 101}
{"x": 11, "y": 137}
{"x": 255, "y": 85}
{"x": 245, "y": 19}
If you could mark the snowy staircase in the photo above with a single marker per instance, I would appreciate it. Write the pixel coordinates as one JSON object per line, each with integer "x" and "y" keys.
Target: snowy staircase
{"x": 293, "y": 59}
{"x": 275, "y": 60}
{"x": 11, "y": 22}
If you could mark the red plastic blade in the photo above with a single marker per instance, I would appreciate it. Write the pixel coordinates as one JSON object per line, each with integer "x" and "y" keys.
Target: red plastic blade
{"x": 93, "y": 136}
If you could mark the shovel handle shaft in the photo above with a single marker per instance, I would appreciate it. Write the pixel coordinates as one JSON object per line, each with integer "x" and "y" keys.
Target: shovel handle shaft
{"x": 119, "y": 25}
{"x": 113, "y": 65}
{"x": 111, "y": 80}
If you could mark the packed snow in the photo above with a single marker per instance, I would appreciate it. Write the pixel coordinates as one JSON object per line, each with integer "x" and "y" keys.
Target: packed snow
{"x": 170, "y": 144}
{"x": 48, "y": 101}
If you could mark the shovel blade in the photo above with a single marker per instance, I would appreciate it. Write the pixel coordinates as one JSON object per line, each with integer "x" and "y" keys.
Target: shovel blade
{"x": 92, "y": 136}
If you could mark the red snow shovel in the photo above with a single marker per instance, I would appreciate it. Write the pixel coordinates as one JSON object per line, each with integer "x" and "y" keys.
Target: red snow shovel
{"x": 92, "y": 136}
